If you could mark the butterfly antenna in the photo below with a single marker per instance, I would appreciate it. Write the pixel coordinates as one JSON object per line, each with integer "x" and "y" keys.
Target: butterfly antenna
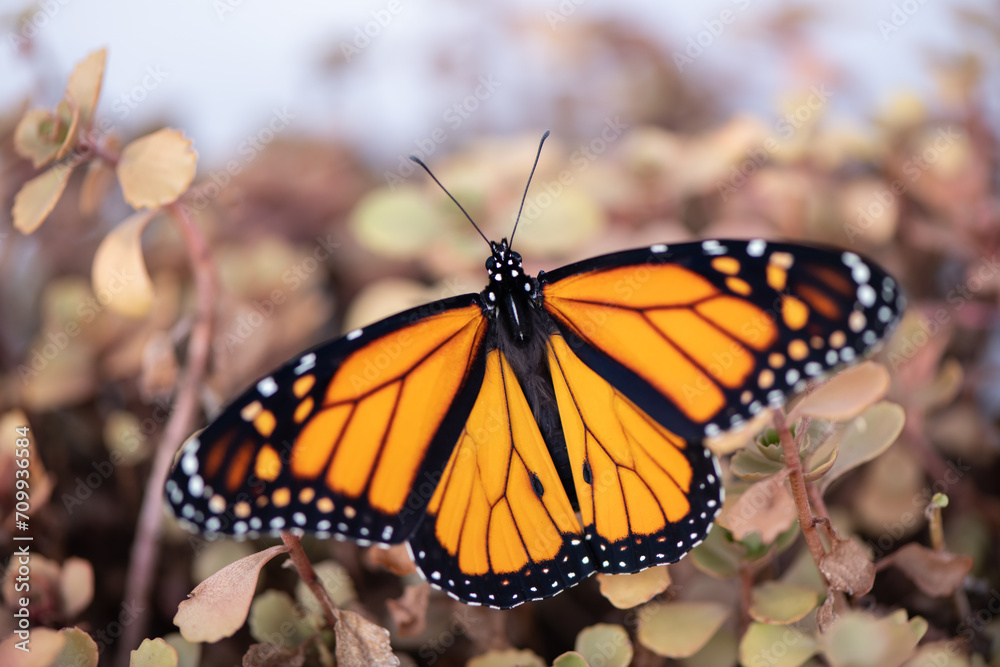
{"x": 530, "y": 176}
{"x": 460, "y": 207}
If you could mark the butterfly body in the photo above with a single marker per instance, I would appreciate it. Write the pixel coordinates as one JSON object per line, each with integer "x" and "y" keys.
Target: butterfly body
{"x": 549, "y": 427}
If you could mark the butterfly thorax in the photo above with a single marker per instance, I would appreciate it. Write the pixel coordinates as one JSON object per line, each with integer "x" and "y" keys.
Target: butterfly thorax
{"x": 510, "y": 292}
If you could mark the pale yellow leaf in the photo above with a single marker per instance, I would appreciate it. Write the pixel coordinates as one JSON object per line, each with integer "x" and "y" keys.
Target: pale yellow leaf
{"x": 84, "y": 86}
{"x": 37, "y": 198}
{"x": 679, "y": 629}
{"x": 156, "y": 169}
{"x": 218, "y": 606}
{"x": 69, "y": 116}
{"x": 629, "y": 590}
{"x": 153, "y": 653}
{"x": 119, "y": 275}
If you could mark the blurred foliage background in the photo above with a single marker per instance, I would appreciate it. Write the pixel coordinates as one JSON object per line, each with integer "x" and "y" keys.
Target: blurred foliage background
{"x": 873, "y": 129}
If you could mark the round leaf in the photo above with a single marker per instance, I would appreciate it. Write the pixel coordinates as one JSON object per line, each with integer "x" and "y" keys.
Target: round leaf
{"x": 119, "y": 275}
{"x": 605, "y": 644}
{"x": 720, "y": 651}
{"x": 37, "y": 198}
{"x": 845, "y": 395}
{"x": 275, "y": 618}
{"x": 779, "y": 603}
{"x": 570, "y": 659}
{"x": 395, "y": 223}
{"x": 630, "y": 590}
{"x": 218, "y": 606}
{"x": 156, "y": 169}
{"x": 506, "y": 658}
{"x": 865, "y": 438}
{"x": 84, "y": 86}
{"x": 776, "y": 646}
{"x": 861, "y": 639}
{"x": 78, "y": 651}
{"x": 153, "y": 653}
{"x": 76, "y": 585}
{"x": 679, "y": 629}
{"x": 718, "y": 555}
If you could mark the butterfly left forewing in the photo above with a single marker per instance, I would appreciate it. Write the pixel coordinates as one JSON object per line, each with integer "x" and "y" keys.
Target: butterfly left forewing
{"x": 500, "y": 529}
{"x": 346, "y": 440}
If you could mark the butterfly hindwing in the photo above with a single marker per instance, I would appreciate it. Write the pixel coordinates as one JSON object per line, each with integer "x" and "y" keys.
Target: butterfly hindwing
{"x": 345, "y": 440}
{"x": 646, "y": 495}
{"x": 704, "y": 336}
{"x": 500, "y": 528}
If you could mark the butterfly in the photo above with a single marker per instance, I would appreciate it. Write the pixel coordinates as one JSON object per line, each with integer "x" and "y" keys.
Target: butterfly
{"x": 546, "y": 428}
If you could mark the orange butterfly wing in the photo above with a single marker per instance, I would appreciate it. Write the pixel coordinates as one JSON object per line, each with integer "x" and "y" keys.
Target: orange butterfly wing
{"x": 500, "y": 529}
{"x": 347, "y": 440}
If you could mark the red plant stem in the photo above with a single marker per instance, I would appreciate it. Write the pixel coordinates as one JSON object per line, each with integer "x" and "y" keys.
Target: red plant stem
{"x": 797, "y": 482}
{"x": 308, "y": 575}
{"x": 143, "y": 560}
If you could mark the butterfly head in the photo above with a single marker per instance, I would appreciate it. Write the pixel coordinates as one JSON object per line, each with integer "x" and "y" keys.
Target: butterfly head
{"x": 506, "y": 273}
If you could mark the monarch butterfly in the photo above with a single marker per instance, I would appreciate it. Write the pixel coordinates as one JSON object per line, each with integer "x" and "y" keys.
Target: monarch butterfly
{"x": 547, "y": 428}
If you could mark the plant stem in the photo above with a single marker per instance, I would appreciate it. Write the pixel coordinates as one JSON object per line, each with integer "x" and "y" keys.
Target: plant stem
{"x": 308, "y": 575}
{"x": 797, "y": 482}
{"x": 144, "y": 554}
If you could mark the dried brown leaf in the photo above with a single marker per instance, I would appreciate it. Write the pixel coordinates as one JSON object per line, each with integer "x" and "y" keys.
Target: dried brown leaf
{"x": 361, "y": 642}
{"x": 936, "y": 573}
{"x": 272, "y": 655}
{"x": 409, "y": 612}
{"x": 848, "y": 568}
{"x": 396, "y": 559}
{"x": 765, "y": 508}
{"x": 218, "y": 606}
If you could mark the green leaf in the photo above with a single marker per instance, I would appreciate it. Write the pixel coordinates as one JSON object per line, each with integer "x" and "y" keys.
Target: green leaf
{"x": 775, "y": 646}
{"x": 861, "y": 639}
{"x": 779, "y": 603}
{"x": 865, "y": 438}
{"x": 605, "y": 644}
{"x": 679, "y": 629}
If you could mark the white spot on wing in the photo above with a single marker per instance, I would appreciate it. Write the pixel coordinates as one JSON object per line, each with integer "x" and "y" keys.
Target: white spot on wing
{"x": 267, "y": 387}
{"x": 353, "y": 334}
